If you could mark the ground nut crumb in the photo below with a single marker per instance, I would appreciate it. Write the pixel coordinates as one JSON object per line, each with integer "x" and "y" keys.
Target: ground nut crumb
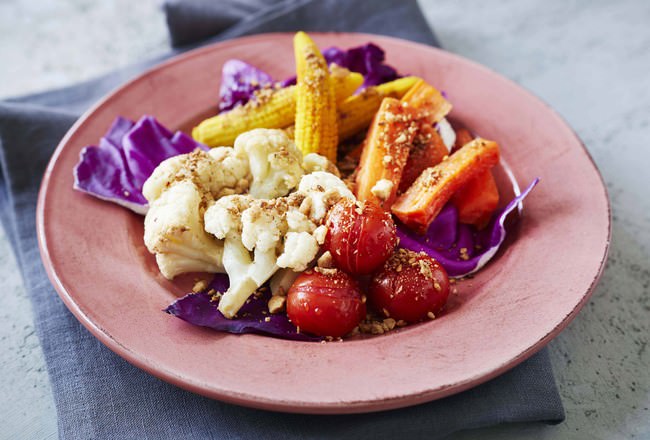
{"x": 401, "y": 323}
{"x": 320, "y": 233}
{"x": 277, "y": 303}
{"x": 430, "y": 315}
{"x": 382, "y": 189}
{"x": 325, "y": 260}
{"x": 425, "y": 269}
{"x": 389, "y": 324}
{"x": 326, "y": 270}
{"x": 200, "y": 286}
{"x": 305, "y": 206}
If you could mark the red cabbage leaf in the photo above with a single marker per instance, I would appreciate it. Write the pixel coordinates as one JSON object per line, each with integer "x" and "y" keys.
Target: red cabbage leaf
{"x": 461, "y": 249}
{"x": 253, "y": 317}
{"x": 126, "y": 156}
{"x": 239, "y": 80}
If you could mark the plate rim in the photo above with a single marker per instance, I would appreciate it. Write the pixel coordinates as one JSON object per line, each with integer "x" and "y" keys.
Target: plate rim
{"x": 249, "y": 400}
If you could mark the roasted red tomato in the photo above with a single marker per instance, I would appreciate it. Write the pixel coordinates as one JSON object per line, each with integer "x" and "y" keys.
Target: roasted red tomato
{"x": 360, "y": 236}
{"x": 409, "y": 286}
{"x": 325, "y": 302}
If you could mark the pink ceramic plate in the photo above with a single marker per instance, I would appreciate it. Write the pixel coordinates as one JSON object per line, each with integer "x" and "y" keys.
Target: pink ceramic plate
{"x": 95, "y": 257}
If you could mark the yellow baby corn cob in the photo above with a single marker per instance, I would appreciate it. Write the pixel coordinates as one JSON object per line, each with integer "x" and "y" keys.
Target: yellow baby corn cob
{"x": 345, "y": 82}
{"x": 356, "y": 112}
{"x": 316, "y": 130}
{"x": 271, "y": 108}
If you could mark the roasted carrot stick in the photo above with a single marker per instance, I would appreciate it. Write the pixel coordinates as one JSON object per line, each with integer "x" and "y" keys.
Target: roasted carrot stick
{"x": 429, "y": 100}
{"x": 422, "y": 202}
{"x": 477, "y": 200}
{"x": 428, "y": 150}
{"x": 463, "y": 136}
{"x": 385, "y": 153}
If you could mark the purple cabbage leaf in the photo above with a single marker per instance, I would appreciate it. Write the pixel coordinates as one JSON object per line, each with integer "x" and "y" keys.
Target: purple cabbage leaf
{"x": 253, "y": 317}
{"x": 239, "y": 81}
{"x": 367, "y": 60}
{"x": 117, "y": 168}
{"x": 459, "y": 248}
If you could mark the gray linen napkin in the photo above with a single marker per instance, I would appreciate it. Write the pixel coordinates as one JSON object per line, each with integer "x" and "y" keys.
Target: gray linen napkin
{"x": 97, "y": 394}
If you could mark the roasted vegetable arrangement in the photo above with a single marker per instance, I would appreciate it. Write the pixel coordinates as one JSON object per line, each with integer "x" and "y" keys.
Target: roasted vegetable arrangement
{"x": 337, "y": 202}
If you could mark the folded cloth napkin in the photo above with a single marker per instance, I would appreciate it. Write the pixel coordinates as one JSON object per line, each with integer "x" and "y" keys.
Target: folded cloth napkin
{"x": 97, "y": 394}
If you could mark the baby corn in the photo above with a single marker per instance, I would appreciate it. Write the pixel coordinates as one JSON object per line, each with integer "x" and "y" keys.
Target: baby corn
{"x": 316, "y": 120}
{"x": 356, "y": 112}
{"x": 269, "y": 109}
{"x": 345, "y": 82}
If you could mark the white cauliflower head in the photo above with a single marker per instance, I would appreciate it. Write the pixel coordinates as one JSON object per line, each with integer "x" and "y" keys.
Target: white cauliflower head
{"x": 300, "y": 248}
{"x": 322, "y": 190}
{"x": 212, "y": 172}
{"x": 315, "y": 162}
{"x": 264, "y": 224}
{"x": 223, "y": 217}
{"x": 173, "y": 230}
{"x": 273, "y": 159}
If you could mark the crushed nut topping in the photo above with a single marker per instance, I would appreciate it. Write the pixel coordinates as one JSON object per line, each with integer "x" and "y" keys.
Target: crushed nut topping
{"x": 200, "y": 286}
{"x": 277, "y": 303}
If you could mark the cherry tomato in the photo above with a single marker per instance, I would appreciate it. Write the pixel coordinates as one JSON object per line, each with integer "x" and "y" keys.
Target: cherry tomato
{"x": 325, "y": 303}
{"x": 360, "y": 236}
{"x": 410, "y": 287}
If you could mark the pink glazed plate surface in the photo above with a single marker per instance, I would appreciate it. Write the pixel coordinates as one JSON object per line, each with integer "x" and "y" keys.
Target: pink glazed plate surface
{"x": 95, "y": 256}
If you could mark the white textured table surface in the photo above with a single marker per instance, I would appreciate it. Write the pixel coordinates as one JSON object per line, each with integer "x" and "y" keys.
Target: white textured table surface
{"x": 589, "y": 60}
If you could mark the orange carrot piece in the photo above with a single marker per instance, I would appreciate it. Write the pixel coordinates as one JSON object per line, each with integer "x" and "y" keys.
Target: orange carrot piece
{"x": 385, "y": 152}
{"x": 429, "y": 100}
{"x": 477, "y": 200}
{"x": 422, "y": 202}
{"x": 463, "y": 136}
{"x": 428, "y": 150}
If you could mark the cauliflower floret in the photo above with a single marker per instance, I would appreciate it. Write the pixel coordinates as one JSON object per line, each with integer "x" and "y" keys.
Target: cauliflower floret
{"x": 323, "y": 190}
{"x": 273, "y": 159}
{"x": 178, "y": 191}
{"x": 299, "y": 222}
{"x": 300, "y": 248}
{"x": 246, "y": 274}
{"x": 315, "y": 162}
{"x": 252, "y": 229}
{"x": 173, "y": 230}
{"x": 264, "y": 224}
{"x": 224, "y": 217}
{"x": 212, "y": 172}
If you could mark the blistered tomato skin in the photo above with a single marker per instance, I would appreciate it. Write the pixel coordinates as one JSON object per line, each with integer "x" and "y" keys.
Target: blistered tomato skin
{"x": 410, "y": 287}
{"x": 360, "y": 236}
{"x": 325, "y": 304}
